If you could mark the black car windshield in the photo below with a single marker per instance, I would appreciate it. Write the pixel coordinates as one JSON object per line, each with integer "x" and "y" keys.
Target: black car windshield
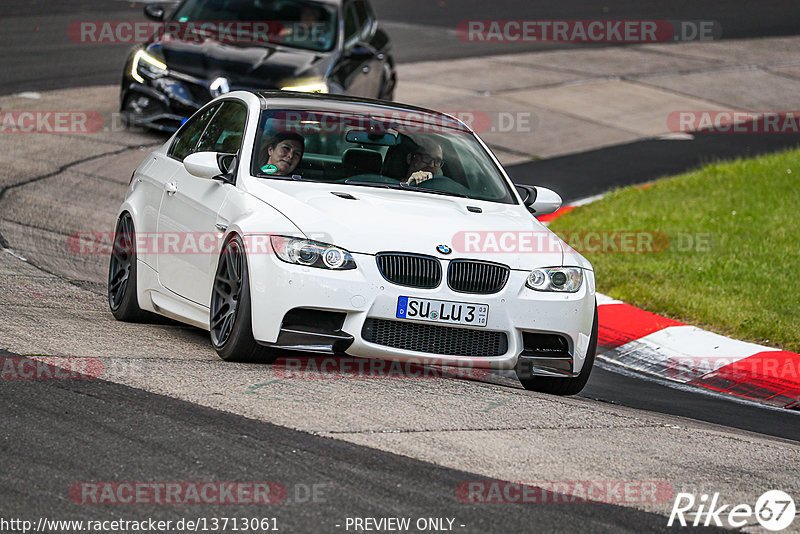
{"x": 398, "y": 150}
{"x": 295, "y": 23}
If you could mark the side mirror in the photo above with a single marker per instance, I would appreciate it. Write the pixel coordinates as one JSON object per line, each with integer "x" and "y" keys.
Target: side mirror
{"x": 203, "y": 165}
{"x": 154, "y": 12}
{"x": 539, "y": 200}
{"x": 361, "y": 50}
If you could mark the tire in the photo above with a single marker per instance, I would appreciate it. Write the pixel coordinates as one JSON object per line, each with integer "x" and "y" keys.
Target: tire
{"x": 122, "y": 293}
{"x": 387, "y": 88}
{"x": 125, "y": 113}
{"x": 230, "y": 319}
{"x": 564, "y": 386}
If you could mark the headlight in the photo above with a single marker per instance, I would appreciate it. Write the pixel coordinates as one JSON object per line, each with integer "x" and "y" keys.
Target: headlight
{"x": 146, "y": 65}
{"x": 561, "y": 279}
{"x": 308, "y": 86}
{"x": 311, "y": 253}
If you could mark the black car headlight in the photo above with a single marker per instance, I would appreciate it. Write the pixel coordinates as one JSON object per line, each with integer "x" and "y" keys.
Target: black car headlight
{"x": 146, "y": 66}
{"x": 311, "y": 253}
{"x": 560, "y": 279}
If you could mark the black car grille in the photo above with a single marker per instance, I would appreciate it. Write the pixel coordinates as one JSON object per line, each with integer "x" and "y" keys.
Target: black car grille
{"x": 468, "y": 276}
{"x": 200, "y": 93}
{"x": 435, "y": 339}
{"x": 410, "y": 270}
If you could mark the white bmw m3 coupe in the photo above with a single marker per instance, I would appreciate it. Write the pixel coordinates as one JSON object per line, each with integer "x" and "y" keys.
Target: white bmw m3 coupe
{"x": 332, "y": 224}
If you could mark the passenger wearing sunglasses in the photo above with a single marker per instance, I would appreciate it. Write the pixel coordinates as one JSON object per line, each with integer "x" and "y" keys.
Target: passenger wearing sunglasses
{"x": 424, "y": 163}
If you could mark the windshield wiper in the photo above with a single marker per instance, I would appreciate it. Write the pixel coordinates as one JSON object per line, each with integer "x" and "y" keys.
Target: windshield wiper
{"x": 384, "y": 185}
{"x": 434, "y": 191}
{"x": 404, "y": 186}
{"x": 295, "y": 177}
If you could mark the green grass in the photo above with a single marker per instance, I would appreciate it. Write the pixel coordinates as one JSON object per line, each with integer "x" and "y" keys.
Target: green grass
{"x": 746, "y": 284}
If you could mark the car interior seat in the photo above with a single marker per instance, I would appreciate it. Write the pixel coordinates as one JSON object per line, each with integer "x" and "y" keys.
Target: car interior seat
{"x": 362, "y": 161}
{"x": 395, "y": 164}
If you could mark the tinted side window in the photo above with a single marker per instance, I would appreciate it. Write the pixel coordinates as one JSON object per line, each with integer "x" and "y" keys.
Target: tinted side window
{"x": 350, "y": 25}
{"x": 187, "y": 138}
{"x": 364, "y": 19}
{"x": 224, "y": 133}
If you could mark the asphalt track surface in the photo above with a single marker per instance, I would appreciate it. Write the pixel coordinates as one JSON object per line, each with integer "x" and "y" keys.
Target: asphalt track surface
{"x": 36, "y": 53}
{"x": 98, "y": 430}
{"x": 578, "y": 176}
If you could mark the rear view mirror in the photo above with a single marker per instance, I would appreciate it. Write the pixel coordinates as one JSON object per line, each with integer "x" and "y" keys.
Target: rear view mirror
{"x": 371, "y": 138}
{"x": 539, "y": 200}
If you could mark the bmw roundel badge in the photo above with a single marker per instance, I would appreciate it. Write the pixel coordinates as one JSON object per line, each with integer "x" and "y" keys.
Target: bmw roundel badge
{"x": 444, "y": 249}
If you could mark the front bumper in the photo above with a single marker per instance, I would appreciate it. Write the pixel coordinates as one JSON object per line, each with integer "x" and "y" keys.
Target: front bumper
{"x": 365, "y": 296}
{"x": 164, "y": 103}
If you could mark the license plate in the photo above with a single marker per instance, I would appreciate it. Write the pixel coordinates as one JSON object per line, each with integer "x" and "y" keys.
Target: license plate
{"x": 442, "y": 311}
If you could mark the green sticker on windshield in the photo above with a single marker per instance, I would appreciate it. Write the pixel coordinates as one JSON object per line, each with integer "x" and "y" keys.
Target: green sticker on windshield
{"x": 183, "y": 19}
{"x": 269, "y": 169}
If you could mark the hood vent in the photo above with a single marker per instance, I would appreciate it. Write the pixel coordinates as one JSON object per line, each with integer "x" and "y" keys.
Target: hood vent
{"x": 346, "y": 196}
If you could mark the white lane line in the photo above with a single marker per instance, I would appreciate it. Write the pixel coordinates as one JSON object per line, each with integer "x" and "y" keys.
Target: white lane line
{"x": 676, "y": 136}
{"x": 9, "y": 251}
{"x": 587, "y": 200}
{"x": 605, "y": 299}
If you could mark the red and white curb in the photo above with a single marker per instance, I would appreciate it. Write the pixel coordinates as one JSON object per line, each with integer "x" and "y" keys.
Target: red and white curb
{"x": 547, "y": 219}
{"x": 648, "y": 343}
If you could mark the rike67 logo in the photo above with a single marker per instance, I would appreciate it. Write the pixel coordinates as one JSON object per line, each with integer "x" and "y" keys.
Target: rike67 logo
{"x": 774, "y": 510}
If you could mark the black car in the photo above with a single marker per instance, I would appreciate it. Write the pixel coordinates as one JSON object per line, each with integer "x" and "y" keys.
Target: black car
{"x": 209, "y": 47}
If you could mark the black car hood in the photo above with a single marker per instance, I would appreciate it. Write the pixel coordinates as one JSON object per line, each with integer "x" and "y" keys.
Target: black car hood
{"x": 245, "y": 66}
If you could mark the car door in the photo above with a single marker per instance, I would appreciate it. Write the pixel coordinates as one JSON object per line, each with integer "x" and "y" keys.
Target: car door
{"x": 378, "y": 40}
{"x": 368, "y": 25}
{"x": 154, "y": 176}
{"x": 358, "y": 63}
{"x": 189, "y": 223}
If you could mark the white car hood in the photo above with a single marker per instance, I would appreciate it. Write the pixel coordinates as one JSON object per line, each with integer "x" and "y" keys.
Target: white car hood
{"x": 381, "y": 220}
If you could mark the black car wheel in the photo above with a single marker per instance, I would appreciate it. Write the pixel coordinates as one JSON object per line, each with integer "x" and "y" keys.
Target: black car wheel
{"x": 230, "y": 317}
{"x": 564, "y": 386}
{"x": 122, "y": 295}
{"x": 388, "y": 83}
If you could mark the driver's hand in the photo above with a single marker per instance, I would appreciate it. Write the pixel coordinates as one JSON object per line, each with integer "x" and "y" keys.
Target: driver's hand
{"x": 419, "y": 176}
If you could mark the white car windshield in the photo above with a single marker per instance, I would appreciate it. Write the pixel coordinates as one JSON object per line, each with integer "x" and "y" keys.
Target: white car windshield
{"x": 399, "y": 150}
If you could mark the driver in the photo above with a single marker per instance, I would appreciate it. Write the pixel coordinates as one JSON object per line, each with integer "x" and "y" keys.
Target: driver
{"x": 425, "y": 162}
{"x": 284, "y": 153}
